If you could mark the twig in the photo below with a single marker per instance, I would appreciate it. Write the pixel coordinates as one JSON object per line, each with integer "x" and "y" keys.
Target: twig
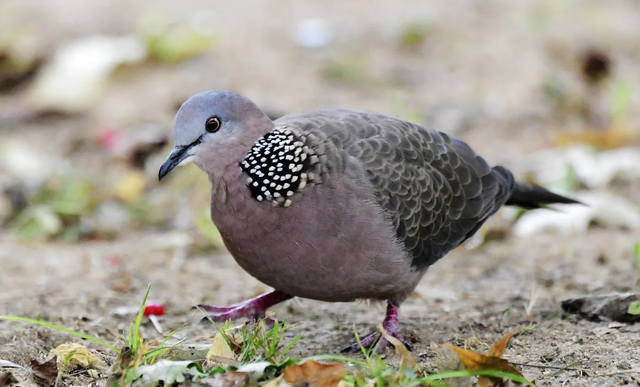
{"x": 633, "y": 371}
{"x": 548, "y": 367}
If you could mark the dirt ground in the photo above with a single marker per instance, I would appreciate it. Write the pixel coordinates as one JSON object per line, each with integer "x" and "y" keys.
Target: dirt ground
{"x": 479, "y": 74}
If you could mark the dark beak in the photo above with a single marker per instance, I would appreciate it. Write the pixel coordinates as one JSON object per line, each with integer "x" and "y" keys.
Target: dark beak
{"x": 178, "y": 153}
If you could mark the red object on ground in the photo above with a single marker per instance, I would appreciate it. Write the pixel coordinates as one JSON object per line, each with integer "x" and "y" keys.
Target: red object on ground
{"x": 109, "y": 137}
{"x": 154, "y": 310}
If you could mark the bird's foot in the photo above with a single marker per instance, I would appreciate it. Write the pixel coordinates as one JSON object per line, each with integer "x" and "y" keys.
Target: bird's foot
{"x": 253, "y": 309}
{"x": 375, "y": 341}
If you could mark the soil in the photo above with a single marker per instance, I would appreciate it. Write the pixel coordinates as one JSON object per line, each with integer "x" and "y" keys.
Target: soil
{"x": 478, "y": 74}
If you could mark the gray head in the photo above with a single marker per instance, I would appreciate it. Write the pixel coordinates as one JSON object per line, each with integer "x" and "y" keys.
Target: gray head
{"x": 214, "y": 126}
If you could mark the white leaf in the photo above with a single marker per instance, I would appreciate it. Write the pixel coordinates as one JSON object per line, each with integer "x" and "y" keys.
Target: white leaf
{"x": 8, "y": 364}
{"x": 167, "y": 371}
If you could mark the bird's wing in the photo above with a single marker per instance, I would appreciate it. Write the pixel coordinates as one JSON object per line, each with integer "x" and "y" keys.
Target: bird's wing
{"x": 437, "y": 191}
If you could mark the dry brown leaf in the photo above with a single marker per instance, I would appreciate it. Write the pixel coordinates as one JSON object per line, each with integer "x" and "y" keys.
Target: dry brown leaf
{"x": 315, "y": 373}
{"x": 406, "y": 360}
{"x": 7, "y": 379}
{"x": 478, "y": 362}
{"x": 76, "y": 355}
{"x": 44, "y": 374}
{"x": 447, "y": 361}
{"x": 498, "y": 348}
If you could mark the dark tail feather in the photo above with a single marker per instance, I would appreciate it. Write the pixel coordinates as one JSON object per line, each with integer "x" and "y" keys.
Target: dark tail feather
{"x": 531, "y": 196}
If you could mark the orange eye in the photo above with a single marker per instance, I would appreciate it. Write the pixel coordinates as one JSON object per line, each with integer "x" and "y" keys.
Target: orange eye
{"x": 212, "y": 125}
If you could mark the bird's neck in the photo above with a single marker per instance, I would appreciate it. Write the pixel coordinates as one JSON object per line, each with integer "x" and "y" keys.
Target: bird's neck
{"x": 226, "y": 185}
{"x": 233, "y": 209}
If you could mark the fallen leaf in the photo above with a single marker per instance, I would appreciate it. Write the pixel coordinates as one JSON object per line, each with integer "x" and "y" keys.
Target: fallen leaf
{"x": 220, "y": 352}
{"x": 192, "y": 352}
{"x": 314, "y": 373}
{"x": 73, "y": 355}
{"x": 9, "y": 364}
{"x": 167, "y": 372}
{"x": 7, "y": 379}
{"x": 609, "y": 307}
{"x": 478, "y": 362}
{"x": 447, "y": 361}
{"x": 634, "y": 308}
{"x": 257, "y": 368}
{"x": 406, "y": 360}
{"x": 44, "y": 374}
{"x": 498, "y": 348}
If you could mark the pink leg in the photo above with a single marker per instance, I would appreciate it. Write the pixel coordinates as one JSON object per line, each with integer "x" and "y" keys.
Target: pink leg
{"x": 252, "y": 309}
{"x": 390, "y": 324}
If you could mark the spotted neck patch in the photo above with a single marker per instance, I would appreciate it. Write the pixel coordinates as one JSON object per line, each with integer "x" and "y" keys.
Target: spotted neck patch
{"x": 278, "y": 165}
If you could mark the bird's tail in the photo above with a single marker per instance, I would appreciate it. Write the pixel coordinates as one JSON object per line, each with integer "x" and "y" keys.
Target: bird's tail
{"x": 531, "y": 196}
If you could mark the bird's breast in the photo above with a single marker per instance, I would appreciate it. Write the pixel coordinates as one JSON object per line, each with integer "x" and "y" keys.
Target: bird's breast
{"x": 332, "y": 243}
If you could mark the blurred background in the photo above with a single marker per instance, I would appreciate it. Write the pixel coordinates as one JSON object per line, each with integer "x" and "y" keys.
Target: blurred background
{"x": 88, "y": 91}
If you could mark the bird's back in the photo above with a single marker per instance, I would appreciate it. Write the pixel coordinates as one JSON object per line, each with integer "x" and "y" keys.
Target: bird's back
{"x": 436, "y": 191}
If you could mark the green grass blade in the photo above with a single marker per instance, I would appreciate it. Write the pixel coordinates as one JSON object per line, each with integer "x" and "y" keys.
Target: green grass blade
{"x": 134, "y": 337}
{"x": 291, "y": 344}
{"x": 62, "y": 329}
{"x": 337, "y": 358}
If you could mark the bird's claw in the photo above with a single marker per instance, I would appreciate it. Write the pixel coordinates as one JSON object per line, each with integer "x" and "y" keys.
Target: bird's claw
{"x": 376, "y": 341}
{"x": 253, "y": 309}
{"x": 242, "y": 311}
{"x": 373, "y": 342}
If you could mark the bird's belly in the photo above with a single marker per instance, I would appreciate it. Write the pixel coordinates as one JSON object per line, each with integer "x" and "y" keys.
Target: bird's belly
{"x": 341, "y": 250}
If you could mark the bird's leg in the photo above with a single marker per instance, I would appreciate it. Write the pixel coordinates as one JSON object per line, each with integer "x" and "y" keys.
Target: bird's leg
{"x": 390, "y": 324}
{"x": 252, "y": 309}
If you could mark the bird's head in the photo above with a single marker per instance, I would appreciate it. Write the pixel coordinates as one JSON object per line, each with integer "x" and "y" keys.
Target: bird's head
{"x": 213, "y": 129}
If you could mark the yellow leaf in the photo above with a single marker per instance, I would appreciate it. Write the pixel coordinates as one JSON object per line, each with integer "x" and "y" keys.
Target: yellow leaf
{"x": 406, "y": 360}
{"x": 492, "y": 362}
{"x": 130, "y": 188}
{"x": 220, "y": 350}
{"x": 313, "y": 373}
{"x": 74, "y": 355}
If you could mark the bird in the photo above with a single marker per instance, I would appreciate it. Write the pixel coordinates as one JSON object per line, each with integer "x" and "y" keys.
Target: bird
{"x": 337, "y": 205}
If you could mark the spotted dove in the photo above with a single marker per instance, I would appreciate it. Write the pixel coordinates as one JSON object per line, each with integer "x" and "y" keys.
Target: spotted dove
{"x": 337, "y": 205}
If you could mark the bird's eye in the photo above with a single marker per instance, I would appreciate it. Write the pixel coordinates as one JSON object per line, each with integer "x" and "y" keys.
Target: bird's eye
{"x": 212, "y": 125}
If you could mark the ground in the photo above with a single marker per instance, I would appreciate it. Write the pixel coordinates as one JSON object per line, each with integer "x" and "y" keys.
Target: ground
{"x": 479, "y": 72}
